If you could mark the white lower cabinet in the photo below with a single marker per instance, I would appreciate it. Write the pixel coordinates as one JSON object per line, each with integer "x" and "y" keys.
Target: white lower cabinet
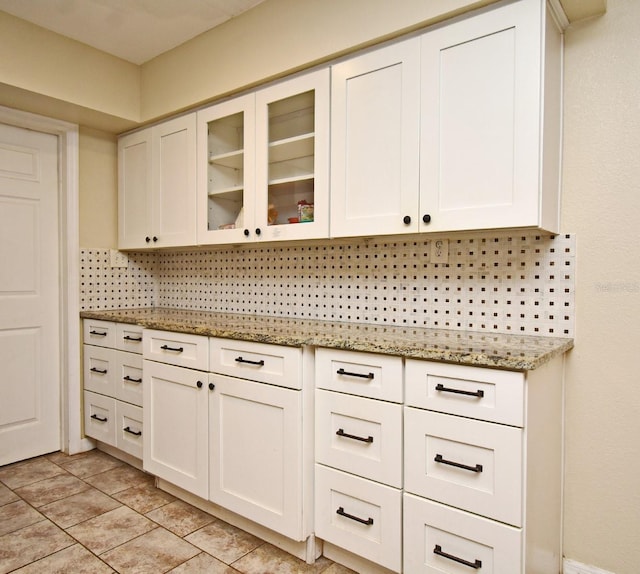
{"x": 438, "y": 538}
{"x": 112, "y": 378}
{"x": 176, "y": 425}
{"x": 359, "y": 515}
{"x": 358, "y": 471}
{"x": 255, "y": 452}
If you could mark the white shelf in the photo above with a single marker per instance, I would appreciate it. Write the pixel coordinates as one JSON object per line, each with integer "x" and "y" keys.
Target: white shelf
{"x": 226, "y": 190}
{"x": 284, "y": 180}
{"x": 291, "y": 148}
{"x": 233, "y": 159}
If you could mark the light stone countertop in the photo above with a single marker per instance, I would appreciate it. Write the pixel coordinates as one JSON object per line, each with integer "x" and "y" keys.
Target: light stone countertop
{"x": 481, "y": 349}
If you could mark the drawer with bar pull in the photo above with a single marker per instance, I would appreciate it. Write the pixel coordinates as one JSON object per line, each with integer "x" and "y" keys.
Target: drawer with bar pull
{"x": 365, "y": 374}
{"x": 485, "y": 394}
{"x": 180, "y": 349}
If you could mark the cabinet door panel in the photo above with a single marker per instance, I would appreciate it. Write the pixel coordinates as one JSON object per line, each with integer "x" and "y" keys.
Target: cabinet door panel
{"x": 134, "y": 189}
{"x": 480, "y": 117}
{"x": 175, "y": 426}
{"x": 226, "y": 172}
{"x": 375, "y": 142}
{"x": 174, "y": 182}
{"x": 255, "y": 452}
{"x": 292, "y": 158}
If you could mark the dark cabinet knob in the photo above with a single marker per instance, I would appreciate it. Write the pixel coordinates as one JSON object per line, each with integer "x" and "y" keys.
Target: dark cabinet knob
{"x": 155, "y": 239}
{"x": 406, "y": 219}
{"x": 258, "y": 232}
{"x": 199, "y": 384}
{"x": 147, "y": 239}
{"x": 426, "y": 218}
{"x": 246, "y": 233}
{"x": 211, "y": 386}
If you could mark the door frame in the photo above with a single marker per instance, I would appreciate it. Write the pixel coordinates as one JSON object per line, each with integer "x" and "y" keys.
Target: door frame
{"x": 71, "y": 439}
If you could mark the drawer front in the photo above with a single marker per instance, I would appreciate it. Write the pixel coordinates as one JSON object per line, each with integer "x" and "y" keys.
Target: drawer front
{"x": 100, "y": 333}
{"x": 129, "y": 338}
{"x": 100, "y": 417}
{"x": 361, "y": 436}
{"x": 473, "y": 465}
{"x": 128, "y": 378}
{"x": 485, "y": 394}
{"x": 100, "y": 370}
{"x": 437, "y": 538}
{"x": 180, "y": 349}
{"x": 273, "y": 364}
{"x": 364, "y": 374}
{"x": 359, "y": 515}
{"x": 129, "y": 428}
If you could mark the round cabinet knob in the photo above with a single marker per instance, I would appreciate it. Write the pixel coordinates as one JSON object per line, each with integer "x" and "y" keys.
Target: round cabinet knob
{"x": 406, "y": 219}
{"x": 258, "y": 232}
{"x": 147, "y": 239}
{"x": 211, "y": 386}
{"x": 426, "y": 218}
{"x": 155, "y": 239}
{"x": 246, "y": 233}
{"x": 199, "y": 384}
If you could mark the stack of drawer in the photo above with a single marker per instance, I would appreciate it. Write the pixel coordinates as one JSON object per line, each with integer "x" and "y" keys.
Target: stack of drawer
{"x": 358, "y": 437}
{"x": 113, "y": 384}
{"x": 463, "y": 502}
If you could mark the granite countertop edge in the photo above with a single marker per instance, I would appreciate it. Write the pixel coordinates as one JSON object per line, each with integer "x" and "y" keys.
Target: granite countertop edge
{"x": 475, "y": 348}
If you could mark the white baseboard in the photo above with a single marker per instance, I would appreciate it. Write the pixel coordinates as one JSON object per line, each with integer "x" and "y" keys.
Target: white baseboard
{"x": 573, "y": 567}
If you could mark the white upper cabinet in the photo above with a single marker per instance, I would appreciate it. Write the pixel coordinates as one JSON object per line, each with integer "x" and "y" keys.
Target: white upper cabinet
{"x": 457, "y": 129}
{"x": 375, "y": 106}
{"x": 264, "y": 167}
{"x": 156, "y": 186}
{"x": 226, "y": 182}
{"x": 490, "y": 120}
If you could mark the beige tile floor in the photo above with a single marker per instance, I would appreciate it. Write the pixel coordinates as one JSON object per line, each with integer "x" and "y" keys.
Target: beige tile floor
{"x": 91, "y": 513}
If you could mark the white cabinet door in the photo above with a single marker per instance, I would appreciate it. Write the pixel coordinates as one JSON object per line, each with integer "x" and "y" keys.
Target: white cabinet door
{"x": 134, "y": 190}
{"x": 157, "y": 186}
{"x": 481, "y": 116}
{"x": 292, "y": 159}
{"x": 174, "y": 182}
{"x": 175, "y": 425}
{"x": 226, "y": 170}
{"x": 375, "y": 106}
{"x": 256, "y": 452}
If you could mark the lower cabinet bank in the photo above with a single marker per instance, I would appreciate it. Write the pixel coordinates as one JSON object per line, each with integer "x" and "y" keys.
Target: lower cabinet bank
{"x": 381, "y": 463}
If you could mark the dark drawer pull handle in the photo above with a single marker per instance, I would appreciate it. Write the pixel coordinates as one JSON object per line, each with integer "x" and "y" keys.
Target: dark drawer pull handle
{"x": 135, "y": 433}
{"x": 260, "y": 363}
{"x": 476, "y": 468}
{"x": 341, "y": 512}
{"x": 361, "y": 375}
{"x": 479, "y": 393}
{"x": 100, "y": 419}
{"x": 175, "y": 349}
{"x": 97, "y": 333}
{"x": 136, "y": 339}
{"x": 129, "y": 379}
{"x": 475, "y": 565}
{"x": 340, "y": 432}
{"x": 99, "y": 371}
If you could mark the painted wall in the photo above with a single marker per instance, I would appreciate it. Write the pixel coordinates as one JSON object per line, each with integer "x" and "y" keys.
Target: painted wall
{"x": 602, "y": 206}
{"x": 275, "y": 38}
{"x": 98, "y": 167}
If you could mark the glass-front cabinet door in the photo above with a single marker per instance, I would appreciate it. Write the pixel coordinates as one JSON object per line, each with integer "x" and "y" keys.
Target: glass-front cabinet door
{"x": 292, "y": 168}
{"x": 226, "y": 188}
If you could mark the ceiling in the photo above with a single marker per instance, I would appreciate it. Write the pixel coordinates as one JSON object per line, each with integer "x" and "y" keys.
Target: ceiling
{"x": 134, "y": 30}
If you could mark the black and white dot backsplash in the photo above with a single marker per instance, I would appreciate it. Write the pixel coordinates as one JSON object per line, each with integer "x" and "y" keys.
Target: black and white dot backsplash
{"x": 501, "y": 282}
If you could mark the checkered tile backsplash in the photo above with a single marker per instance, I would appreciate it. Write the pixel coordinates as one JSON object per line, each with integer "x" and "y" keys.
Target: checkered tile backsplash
{"x": 501, "y": 282}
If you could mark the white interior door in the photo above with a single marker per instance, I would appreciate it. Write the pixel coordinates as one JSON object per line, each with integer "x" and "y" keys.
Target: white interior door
{"x": 29, "y": 294}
